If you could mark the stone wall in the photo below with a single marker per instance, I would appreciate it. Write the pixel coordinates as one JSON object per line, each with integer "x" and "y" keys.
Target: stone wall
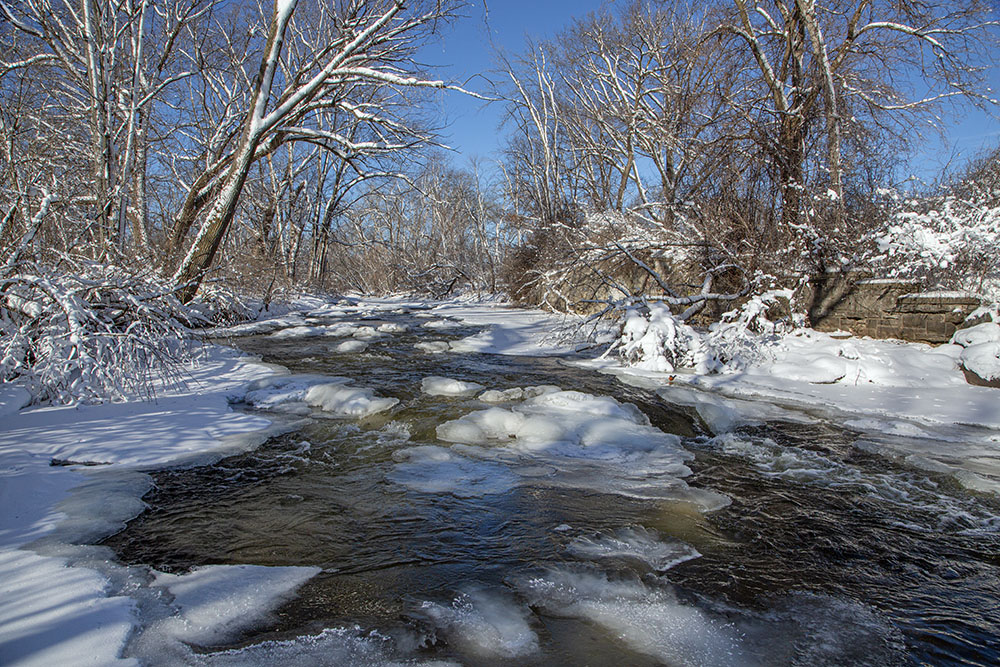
{"x": 888, "y": 309}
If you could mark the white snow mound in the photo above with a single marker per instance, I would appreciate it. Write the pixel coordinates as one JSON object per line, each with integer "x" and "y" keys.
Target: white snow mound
{"x": 350, "y": 346}
{"x": 442, "y": 386}
{"x": 347, "y": 401}
{"x": 983, "y": 359}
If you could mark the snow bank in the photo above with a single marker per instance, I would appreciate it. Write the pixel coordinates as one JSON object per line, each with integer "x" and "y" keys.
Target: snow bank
{"x": 983, "y": 360}
{"x": 982, "y": 349}
{"x": 484, "y": 624}
{"x": 987, "y": 332}
{"x": 51, "y": 614}
{"x": 55, "y": 614}
{"x": 441, "y": 386}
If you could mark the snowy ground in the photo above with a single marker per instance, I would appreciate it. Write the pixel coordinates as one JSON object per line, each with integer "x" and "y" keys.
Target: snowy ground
{"x": 68, "y": 605}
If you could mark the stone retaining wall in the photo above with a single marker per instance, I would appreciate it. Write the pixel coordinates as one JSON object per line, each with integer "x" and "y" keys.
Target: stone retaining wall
{"x": 889, "y": 309}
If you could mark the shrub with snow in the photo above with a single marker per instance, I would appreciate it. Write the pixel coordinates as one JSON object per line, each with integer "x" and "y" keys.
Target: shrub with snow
{"x": 90, "y": 331}
{"x": 655, "y": 339}
{"x": 951, "y": 238}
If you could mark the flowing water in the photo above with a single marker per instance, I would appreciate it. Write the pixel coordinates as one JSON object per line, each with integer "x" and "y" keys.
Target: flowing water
{"x": 491, "y": 555}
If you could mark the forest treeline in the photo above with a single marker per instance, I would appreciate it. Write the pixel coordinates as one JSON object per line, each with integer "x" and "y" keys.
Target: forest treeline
{"x": 160, "y": 154}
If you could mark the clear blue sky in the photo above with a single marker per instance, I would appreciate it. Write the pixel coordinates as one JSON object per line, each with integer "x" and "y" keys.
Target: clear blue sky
{"x": 467, "y": 48}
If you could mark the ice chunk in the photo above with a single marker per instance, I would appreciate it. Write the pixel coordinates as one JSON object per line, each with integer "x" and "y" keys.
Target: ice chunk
{"x": 366, "y": 332}
{"x": 540, "y": 390}
{"x": 486, "y": 625}
{"x": 478, "y": 428}
{"x": 339, "y": 329}
{"x": 442, "y": 386}
{"x": 635, "y": 543}
{"x": 392, "y": 327}
{"x": 649, "y": 620}
{"x": 347, "y": 401}
{"x": 433, "y": 347}
{"x": 215, "y": 602}
{"x": 297, "y": 332}
{"x": 593, "y": 406}
{"x": 507, "y": 395}
{"x": 441, "y": 324}
{"x": 279, "y": 392}
{"x": 350, "y": 346}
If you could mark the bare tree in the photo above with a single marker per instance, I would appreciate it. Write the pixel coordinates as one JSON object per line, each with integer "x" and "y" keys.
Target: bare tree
{"x": 834, "y": 63}
{"x": 367, "y": 45}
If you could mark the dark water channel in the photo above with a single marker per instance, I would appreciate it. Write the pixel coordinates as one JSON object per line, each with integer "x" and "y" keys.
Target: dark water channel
{"x": 826, "y": 554}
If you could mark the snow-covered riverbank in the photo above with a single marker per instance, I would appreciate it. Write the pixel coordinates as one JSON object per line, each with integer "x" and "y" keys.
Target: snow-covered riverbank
{"x": 61, "y": 604}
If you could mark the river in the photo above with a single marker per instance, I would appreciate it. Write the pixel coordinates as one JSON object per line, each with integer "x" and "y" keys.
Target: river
{"x": 782, "y": 543}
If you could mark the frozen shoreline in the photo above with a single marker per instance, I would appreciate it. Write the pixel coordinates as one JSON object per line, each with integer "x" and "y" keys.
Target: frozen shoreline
{"x": 61, "y": 604}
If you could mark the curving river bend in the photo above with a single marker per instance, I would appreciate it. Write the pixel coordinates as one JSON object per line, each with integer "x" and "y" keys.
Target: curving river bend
{"x": 825, "y": 554}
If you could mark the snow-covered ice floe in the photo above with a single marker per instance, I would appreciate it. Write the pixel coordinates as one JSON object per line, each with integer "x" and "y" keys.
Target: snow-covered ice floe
{"x": 350, "y": 347}
{"x": 295, "y": 394}
{"x": 564, "y": 439}
{"x": 442, "y": 386}
{"x": 441, "y": 324}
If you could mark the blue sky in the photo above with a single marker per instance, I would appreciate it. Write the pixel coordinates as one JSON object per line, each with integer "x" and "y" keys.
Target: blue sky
{"x": 467, "y": 47}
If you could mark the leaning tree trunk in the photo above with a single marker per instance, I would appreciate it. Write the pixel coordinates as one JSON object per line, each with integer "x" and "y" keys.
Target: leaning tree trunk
{"x": 198, "y": 260}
